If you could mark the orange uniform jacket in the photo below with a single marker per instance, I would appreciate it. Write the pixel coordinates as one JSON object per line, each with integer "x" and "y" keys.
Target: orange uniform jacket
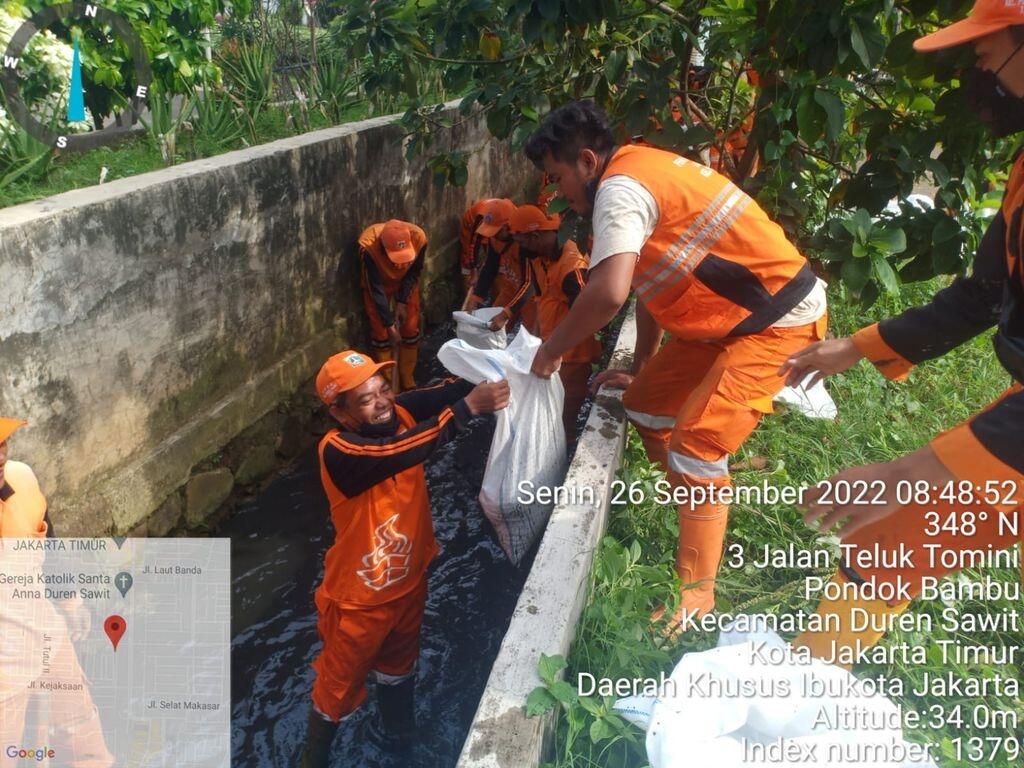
{"x": 382, "y": 278}
{"x": 988, "y": 447}
{"x": 470, "y": 243}
{"x": 23, "y": 511}
{"x": 715, "y": 265}
{"x": 503, "y": 260}
{"x": 378, "y": 495}
{"x": 559, "y": 283}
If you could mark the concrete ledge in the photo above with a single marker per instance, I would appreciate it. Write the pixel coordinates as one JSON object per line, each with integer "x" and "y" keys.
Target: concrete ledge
{"x": 552, "y": 600}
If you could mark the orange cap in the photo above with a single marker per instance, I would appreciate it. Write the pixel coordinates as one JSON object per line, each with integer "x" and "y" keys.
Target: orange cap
{"x": 9, "y": 426}
{"x": 986, "y": 17}
{"x": 530, "y": 218}
{"x": 396, "y": 237}
{"x": 344, "y": 371}
{"x": 496, "y": 215}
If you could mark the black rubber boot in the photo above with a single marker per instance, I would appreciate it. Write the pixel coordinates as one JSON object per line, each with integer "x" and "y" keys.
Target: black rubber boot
{"x": 397, "y": 704}
{"x": 319, "y": 737}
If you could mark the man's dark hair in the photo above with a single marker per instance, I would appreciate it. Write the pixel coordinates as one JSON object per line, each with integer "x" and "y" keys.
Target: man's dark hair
{"x": 568, "y": 130}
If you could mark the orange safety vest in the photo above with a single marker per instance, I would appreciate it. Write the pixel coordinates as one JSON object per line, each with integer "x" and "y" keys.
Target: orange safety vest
{"x": 391, "y": 274}
{"x": 470, "y": 242}
{"x": 553, "y": 304}
{"x": 715, "y": 265}
{"x": 384, "y": 536}
{"x": 21, "y": 516}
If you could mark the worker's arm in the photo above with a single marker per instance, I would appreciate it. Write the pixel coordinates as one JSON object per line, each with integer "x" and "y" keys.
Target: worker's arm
{"x": 373, "y": 284}
{"x": 526, "y": 289}
{"x": 485, "y": 277}
{"x": 426, "y": 402}
{"x": 468, "y": 241}
{"x": 412, "y": 277}
{"x": 356, "y": 463}
{"x": 968, "y": 307}
{"x": 607, "y": 289}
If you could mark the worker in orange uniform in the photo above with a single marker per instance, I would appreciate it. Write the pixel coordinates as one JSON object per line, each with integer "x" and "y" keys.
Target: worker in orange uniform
{"x": 972, "y": 475}
{"x": 712, "y": 271}
{"x": 391, "y": 257}
{"x": 472, "y": 244}
{"x": 374, "y": 590}
{"x": 504, "y": 270}
{"x": 560, "y": 274}
{"x": 34, "y": 630}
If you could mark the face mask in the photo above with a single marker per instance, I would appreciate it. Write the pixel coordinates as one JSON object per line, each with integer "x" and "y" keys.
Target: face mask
{"x": 1000, "y": 111}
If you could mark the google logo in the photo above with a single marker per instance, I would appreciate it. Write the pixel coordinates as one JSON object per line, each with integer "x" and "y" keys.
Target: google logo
{"x": 38, "y": 754}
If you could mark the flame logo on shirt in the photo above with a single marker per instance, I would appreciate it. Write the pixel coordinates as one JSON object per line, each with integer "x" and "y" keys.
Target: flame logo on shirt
{"x": 388, "y": 563}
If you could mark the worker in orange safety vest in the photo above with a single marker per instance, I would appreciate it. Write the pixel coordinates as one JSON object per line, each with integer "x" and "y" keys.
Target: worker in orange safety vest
{"x": 374, "y": 588}
{"x": 710, "y": 270}
{"x": 391, "y": 257}
{"x": 560, "y": 272}
{"x": 472, "y": 244}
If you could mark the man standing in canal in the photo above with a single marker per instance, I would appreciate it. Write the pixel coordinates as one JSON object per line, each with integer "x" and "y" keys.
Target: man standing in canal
{"x": 712, "y": 271}
{"x": 374, "y": 590}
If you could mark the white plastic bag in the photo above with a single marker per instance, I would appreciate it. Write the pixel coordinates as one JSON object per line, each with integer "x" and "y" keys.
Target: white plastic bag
{"x": 727, "y": 706}
{"x": 474, "y": 328}
{"x": 813, "y": 402}
{"x": 529, "y": 440}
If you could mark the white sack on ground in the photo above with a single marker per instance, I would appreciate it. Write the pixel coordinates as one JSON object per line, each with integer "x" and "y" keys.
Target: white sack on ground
{"x": 813, "y": 402}
{"x": 475, "y": 328}
{"x": 722, "y": 707}
{"x": 529, "y": 439}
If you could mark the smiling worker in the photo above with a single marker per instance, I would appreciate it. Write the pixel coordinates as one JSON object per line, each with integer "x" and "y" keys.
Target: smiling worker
{"x": 374, "y": 590}
{"x": 711, "y": 270}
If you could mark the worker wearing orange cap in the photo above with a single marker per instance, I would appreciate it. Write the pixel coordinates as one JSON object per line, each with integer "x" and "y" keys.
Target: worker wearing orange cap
{"x": 392, "y": 257}
{"x": 34, "y": 630}
{"x": 973, "y": 474}
{"x": 560, "y": 274}
{"x": 374, "y": 588}
{"x": 504, "y": 270}
{"x": 472, "y": 244}
{"x": 711, "y": 271}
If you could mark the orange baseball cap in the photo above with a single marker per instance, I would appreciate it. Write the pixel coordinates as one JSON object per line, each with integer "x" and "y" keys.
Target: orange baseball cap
{"x": 9, "y": 426}
{"x": 396, "y": 237}
{"x": 344, "y": 371}
{"x": 496, "y": 215}
{"x": 530, "y": 218}
{"x": 986, "y": 17}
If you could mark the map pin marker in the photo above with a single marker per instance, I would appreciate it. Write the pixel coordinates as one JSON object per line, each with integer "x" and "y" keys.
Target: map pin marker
{"x": 119, "y": 540}
{"x": 115, "y": 627}
{"x": 123, "y": 581}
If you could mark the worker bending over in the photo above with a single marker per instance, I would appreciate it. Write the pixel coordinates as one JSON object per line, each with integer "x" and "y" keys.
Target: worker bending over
{"x": 471, "y": 244}
{"x": 391, "y": 257}
{"x": 559, "y": 275}
{"x": 977, "y": 467}
{"x": 710, "y": 269}
{"x": 374, "y": 589}
{"x": 504, "y": 271}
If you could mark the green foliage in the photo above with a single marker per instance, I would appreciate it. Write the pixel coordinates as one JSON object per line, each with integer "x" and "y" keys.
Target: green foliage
{"x": 846, "y": 117}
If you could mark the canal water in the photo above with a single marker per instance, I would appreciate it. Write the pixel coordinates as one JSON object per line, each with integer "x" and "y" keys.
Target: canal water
{"x": 278, "y": 545}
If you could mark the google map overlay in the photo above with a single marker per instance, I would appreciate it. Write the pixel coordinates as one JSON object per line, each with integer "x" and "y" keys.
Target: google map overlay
{"x": 115, "y": 650}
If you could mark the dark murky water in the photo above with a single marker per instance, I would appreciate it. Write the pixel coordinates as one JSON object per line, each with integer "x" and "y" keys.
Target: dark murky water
{"x": 278, "y": 544}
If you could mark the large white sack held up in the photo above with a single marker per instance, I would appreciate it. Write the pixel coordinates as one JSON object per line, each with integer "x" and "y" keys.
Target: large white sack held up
{"x": 474, "y": 328}
{"x": 529, "y": 439}
{"x": 752, "y": 703}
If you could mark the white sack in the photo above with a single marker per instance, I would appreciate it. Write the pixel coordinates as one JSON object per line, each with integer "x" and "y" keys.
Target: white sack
{"x": 474, "y": 328}
{"x": 529, "y": 439}
{"x": 813, "y": 402}
{"x": 762, "y": 702}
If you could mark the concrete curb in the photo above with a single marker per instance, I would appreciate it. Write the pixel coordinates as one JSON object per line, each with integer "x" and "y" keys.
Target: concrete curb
{"x": 545, "y": 618}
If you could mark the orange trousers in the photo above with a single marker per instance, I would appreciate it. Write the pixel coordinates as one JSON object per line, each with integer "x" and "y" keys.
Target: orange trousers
{"x": 696, "y": 402}
{"x": 410, "y": 329}
{"x": 383, "y": 639}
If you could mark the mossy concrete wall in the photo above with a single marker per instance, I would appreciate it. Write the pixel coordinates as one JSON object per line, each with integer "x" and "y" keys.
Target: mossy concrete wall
{"x": 148, "y": 322}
